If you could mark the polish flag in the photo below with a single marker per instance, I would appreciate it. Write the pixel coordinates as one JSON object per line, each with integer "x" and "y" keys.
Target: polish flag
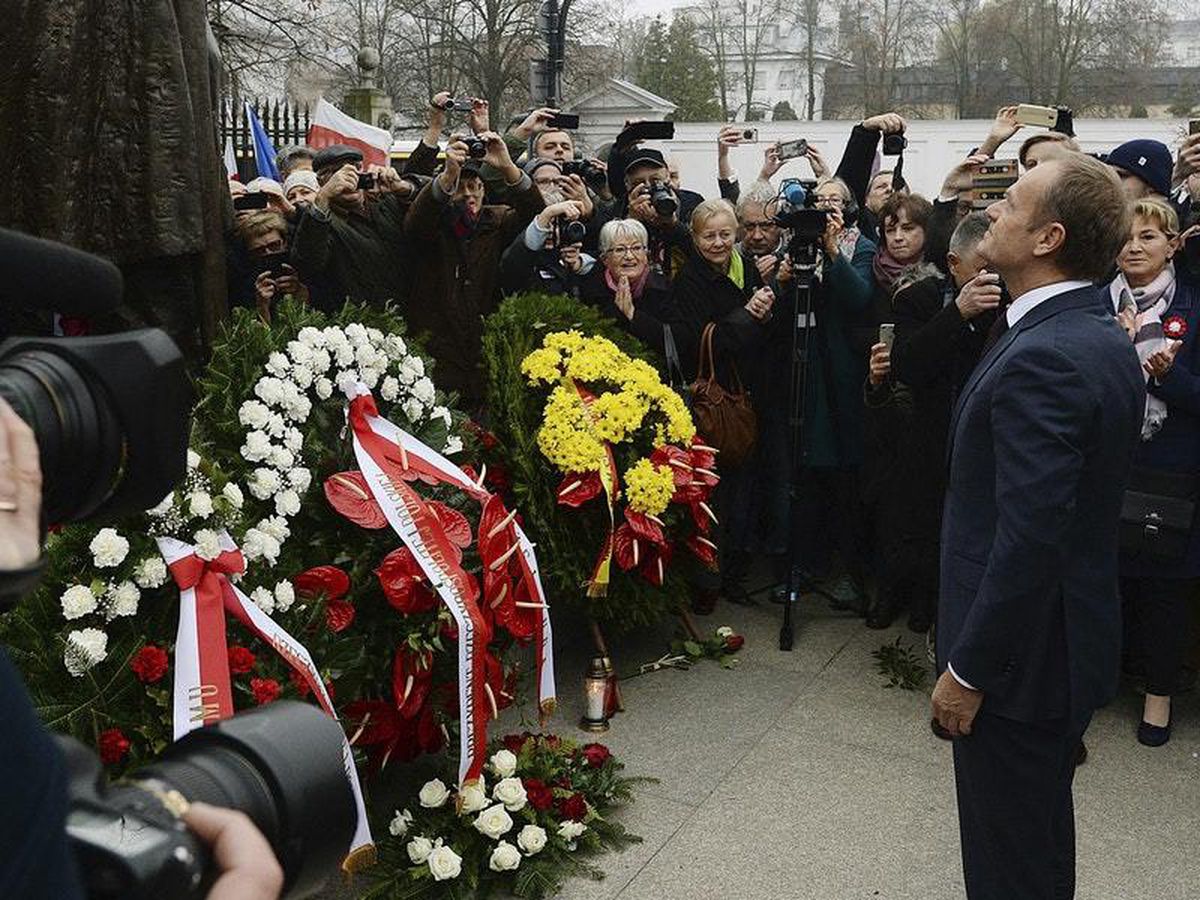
{"x": 329, "y": 125}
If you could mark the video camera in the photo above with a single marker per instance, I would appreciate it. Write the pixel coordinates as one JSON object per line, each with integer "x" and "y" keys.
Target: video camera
{"x": 796, "y": 211}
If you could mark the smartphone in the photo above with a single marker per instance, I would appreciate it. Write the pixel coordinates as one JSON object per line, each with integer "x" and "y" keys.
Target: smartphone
{"x": 563, "y": 121}
{"x": 366, "y": 181}
{"x": 272, "y": 263}
{"x": 1194, "y": 126}
{"x": 246, "y": 202}
{"x": 793, "y": 149}
{"x": 646, "y": 131}
{"x": 749, "y": 135}
{"x": 887, "y": 334}
{"x": 1041, "y": 116}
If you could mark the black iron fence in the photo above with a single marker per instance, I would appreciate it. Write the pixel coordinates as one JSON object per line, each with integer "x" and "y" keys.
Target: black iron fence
{"x": 285, "y": 123}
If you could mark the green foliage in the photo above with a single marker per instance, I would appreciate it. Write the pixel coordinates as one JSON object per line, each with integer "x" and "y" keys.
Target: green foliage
{"x": 904, "y": 667}
{"x": 783, "y": 112}
{"x": 568, "y": 539}
{"x": 671, "y": 67}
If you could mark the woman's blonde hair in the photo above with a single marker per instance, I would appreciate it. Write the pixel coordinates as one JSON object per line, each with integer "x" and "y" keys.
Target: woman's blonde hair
{"x": 262, "y": 223}
{"x": 1157, "y": 211}
{"x": 710, "y": 209}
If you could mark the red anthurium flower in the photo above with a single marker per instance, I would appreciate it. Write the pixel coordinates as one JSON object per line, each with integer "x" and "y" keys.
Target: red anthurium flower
{"x": 404, "y": 583}
{"x": 495, "y": 681}
{"x": 1175, "y": 327}
{"x": 113, "y": 745}
{"x": 677, "y": 460}
{"x": 511, "y": 612}
{"x": 573, "y": 807}
{"x": 241, "y": 660}
{"x": 454, "y": 523}
{"x": 487, "y": 440}
{"x": 338, "y": 615}
{"x": 430, "y": 737}
{"x": 448, "y": 630}
{"x": 539, "y": 795}
{"x": 629, "y": 550}
{"x": 412, "y": 678}
{"x": 596, "y": 754}
{"x": 655, "y": 562}
{"x": 577, "y": 489}
{"x": 377, "y": 726}
{"x": 329, "y": 582}
{"x": 265, "y": 690}
{"x": 645, "y": 527}
{"x": 149, "y": 664}
{"x": 496, "y": 532}
{"x": 348, "y": 493}
{"x": 704, "y": 549}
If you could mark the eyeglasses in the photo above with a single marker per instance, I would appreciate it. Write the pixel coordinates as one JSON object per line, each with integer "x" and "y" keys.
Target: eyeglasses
{"x": 276, "y": 246}
{"x": 758, "y": 226}
{"x": 830, "y": 201}
{"x": 635, "y": 250}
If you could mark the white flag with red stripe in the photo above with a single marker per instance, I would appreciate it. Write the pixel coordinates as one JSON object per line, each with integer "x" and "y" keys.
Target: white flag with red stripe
{"x": 231, "y": 169}
{"x": 329, "y": 125}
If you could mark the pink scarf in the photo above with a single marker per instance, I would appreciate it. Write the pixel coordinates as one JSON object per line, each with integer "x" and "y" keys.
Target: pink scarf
{"x": 635, "y": 287}
{"x": 887, "y": 268}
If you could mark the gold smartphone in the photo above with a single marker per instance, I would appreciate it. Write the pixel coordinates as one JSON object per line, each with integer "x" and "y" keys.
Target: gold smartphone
{"x": 1042, "y": 116}
{"x": 887, "y": 334}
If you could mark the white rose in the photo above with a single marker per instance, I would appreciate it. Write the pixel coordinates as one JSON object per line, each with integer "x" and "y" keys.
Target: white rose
{"x": 122, "y": 600}
{"x": 233, "y": 494}
{"x": 208, "y": 544}
{"x": 474, "y": 797}
{"x": 257, "y": 446}
{"x": 724, "y": 631}
{"x": 264, "y": 483}
{"x": 282, "y": 458}
{"x": 285, "y": 596}
{"x": 433, "y": 794}
{"x": 390, "y": 390}
{"x": 416, "y": 365}
{"x": 570, "y": 830}
{"x": 263, "y": 599}
{"x": 300, "y": 479}
{"x": 108, "y": 548}
{"x": 150, "y": 573}
{"x": 444, "y": 864}
{"x": 511, "y": 793}
{"x": 253, "y": 414}
{"x": 532, "y": 839}
{"x": 193, "y": 459}
{"x": 412, "y": 408}
{"x": 163, "y": 507}
{"x": 454, "y": 444}
{"x": 505, "y": 858}
{"x": 200, "y": 504}
{"x": 494, "y": 821}
{"x": 85, "y": 649}
{"x": 504, "y": 763}
{"x": 275, "y": 426}
{"x": 324, "y": 388}
{"x": 398, "y": 827}
{"x": 278, "y": 364}
{"x": 423, "y": 390}
{"x": 77, "y": 601}
{"x": 287, "y": 503}
{"x": 419, "y": 849}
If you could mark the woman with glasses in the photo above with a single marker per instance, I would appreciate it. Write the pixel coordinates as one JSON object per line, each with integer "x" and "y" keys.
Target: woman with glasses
{"x": 625, "y": 288}
{"x": 264, "y": 238}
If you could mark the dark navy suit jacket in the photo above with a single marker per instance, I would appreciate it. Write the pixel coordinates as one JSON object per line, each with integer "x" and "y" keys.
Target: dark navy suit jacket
{"x": 1041, "y": 441}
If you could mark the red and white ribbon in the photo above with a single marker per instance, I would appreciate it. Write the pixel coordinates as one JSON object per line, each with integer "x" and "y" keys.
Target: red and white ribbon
{"x": 378, "y": 444}
{"x": 202, "y": 692}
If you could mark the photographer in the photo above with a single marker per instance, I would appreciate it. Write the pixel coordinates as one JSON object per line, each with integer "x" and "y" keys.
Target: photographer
{"x": 264, "y": 235}
{"x": 651, "y": 200}
{"x": 538, "y": 260}
{"x": 858, "y": 161}
{"x": 459, "y": 241}
{"x": 37, "y": 861}
{"x": 424, "y": 158}
{"x": 350, "y": 238}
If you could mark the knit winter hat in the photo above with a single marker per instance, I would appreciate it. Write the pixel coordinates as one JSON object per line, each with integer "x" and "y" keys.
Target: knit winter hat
{"x": 305, "y": 177}
{"x": 1148, "y": 160}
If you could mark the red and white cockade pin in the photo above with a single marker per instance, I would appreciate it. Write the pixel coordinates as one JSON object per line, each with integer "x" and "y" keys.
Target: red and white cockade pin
{"x": 1175, "y": 327}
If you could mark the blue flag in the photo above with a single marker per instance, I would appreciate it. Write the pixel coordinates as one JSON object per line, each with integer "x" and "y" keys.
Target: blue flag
{"x": 264, "y": 150}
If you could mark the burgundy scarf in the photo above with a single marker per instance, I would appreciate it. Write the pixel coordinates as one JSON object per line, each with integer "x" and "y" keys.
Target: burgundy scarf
{"x": 887, "y": 268}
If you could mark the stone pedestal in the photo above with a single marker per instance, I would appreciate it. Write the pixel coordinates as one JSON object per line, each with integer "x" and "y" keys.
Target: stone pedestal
{"x": 367, "y": 102}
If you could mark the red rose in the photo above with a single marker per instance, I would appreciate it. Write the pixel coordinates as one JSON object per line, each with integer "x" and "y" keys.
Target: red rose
{"x": 734, "y": 642}
{"x": 514, "y": 742}
{"x": 596, "y": 755}
{"x": 150, "y": 664}
{"x": 113, "y": 746}
{"x": 539, "y": 795}
{"x": 264, "y": 689}
{"x": 338, "y": 615}
{"x": 573, "y": 807}
{"x": 241, "y": 660}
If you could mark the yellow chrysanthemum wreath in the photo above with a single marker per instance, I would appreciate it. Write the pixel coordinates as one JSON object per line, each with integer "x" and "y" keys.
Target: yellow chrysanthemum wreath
{"x": 573, "y": 433}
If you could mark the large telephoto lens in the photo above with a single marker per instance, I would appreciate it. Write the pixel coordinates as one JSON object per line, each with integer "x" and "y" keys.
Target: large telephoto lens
{"x": 282, "y": 766}
{"x": 110, "y": 415}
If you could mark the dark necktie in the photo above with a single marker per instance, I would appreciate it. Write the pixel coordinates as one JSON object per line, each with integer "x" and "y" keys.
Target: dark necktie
{"x": 999, "y": 326}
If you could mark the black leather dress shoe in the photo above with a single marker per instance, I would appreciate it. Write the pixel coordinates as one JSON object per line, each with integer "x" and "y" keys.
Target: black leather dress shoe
{"x": 1153, "y": 735}
{"x": 1080, "y": 754}
{"x": 882, "y": 614}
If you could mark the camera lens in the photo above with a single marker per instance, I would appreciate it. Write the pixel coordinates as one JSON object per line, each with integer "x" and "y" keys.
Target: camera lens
{"x": 282, "y": 766}
{"x": 76, "y": 429}
{"x": 663, "y": 200}
{"x": 748, "y": 134}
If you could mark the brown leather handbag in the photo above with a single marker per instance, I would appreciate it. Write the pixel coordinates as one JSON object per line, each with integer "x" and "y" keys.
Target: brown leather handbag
{"x": 725, "y": 419}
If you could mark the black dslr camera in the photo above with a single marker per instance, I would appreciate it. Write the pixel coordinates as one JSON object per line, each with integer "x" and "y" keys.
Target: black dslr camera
{"x": 663, "y": 199}
{"x": 476, "y": 147}
{"x": 593, "y": 176}
{"x": 567, "y": 232}
{"x": 280, "y": 764}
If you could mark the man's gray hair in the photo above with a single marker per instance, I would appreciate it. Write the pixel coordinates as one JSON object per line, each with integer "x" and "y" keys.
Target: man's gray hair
{"x": 286, "y": 158}
{"x": 760, "y": 192}
{"x": 969, "y": 232}
{"x": 615, "y": 229}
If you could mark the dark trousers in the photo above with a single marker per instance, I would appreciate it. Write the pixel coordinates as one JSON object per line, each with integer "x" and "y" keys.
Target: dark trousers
{"x": 825, "y": 519}
{"x": 1159, "y": 619}
{"x": 1015, "y": 811}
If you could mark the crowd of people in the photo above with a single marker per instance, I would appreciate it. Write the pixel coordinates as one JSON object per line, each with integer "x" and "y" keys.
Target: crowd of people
{"x": 897, "y": 308}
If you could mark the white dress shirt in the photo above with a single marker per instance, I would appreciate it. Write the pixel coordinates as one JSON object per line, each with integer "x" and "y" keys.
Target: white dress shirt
{"x": 1018, "y": 308}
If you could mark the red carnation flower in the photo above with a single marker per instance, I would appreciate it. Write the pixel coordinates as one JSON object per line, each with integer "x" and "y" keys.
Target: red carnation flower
{"x": 264, "y": 689}
{"x": 540, "y": 796}
{"x": 573, "y": 807}
{"x": 150, "y": 664}
{"x": 241, "y": 660}
{"x": 113, "y": 746}
{"x": 734, "y": 642}
{"x": 596, "y": 755}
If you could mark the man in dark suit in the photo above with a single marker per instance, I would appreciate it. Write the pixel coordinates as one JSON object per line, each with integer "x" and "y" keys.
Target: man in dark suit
{"x": 1029, "y": 621}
